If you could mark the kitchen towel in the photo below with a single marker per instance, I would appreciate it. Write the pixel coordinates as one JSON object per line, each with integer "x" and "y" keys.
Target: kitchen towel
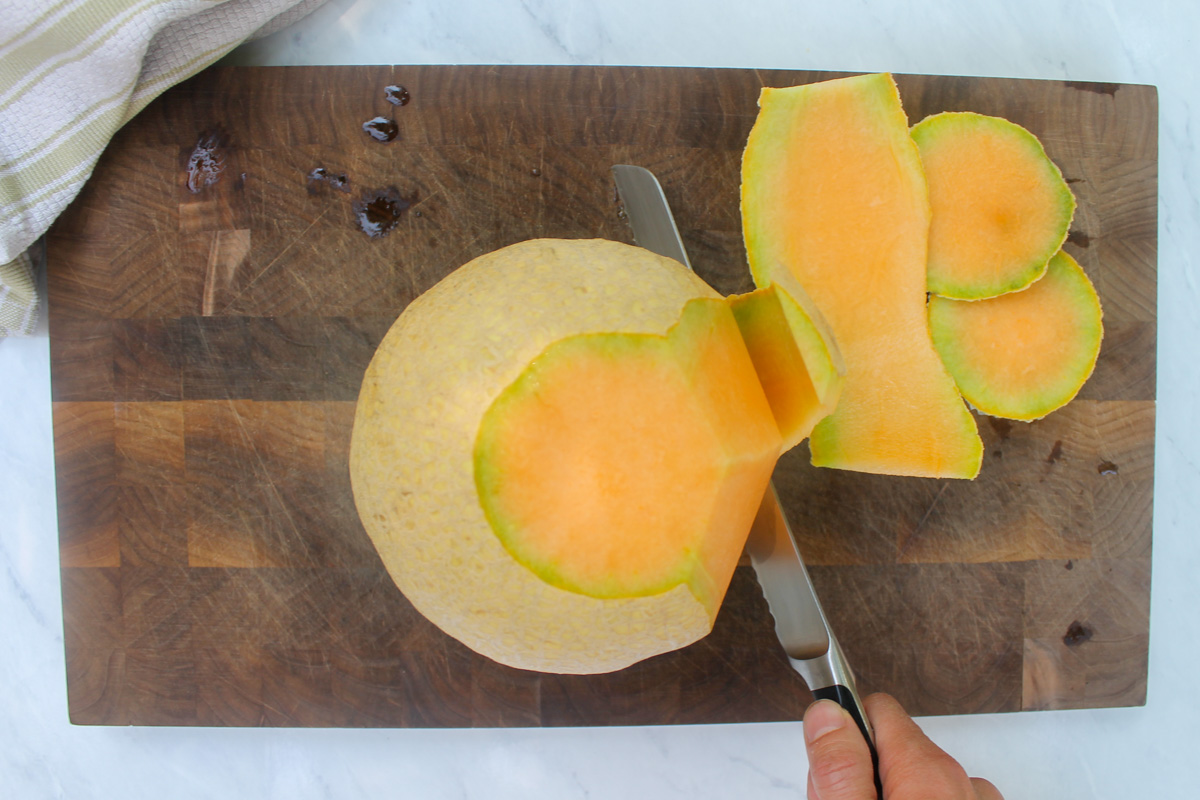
{"x": 72, "y": 72}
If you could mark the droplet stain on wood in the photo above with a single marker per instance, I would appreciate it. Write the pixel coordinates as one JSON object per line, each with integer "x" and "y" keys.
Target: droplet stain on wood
{"x": 206, "y": 163}
{"x": 1077, "y": 634}
{"x": 535, "y": 172}
{"x": 1107, "y": 468}
{"x": 397, "y": 95}
{"x": 1079, "y": 239}
{"x": 320, "y": 175}
{"x": 1069, "y": 565}
{"x": 381, "y": 129}
{"x": 1055, "y": 452}
{"x": 379, "y": 211}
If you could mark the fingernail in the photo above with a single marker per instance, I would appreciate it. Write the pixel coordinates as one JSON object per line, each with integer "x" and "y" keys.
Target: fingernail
{"x": 823, "y": 717}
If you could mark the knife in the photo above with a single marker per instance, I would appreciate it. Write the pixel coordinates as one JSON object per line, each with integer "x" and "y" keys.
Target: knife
{"x": 800, "y": 622}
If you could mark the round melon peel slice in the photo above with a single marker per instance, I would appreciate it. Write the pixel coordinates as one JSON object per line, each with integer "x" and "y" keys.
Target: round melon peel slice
{"x": 1024, "y": 354}
{"x": 1000, "y": 207}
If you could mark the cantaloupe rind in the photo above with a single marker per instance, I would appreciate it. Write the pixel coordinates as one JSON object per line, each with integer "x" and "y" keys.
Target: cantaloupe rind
{"x": 1000, "y": 205}
{"x": 801, "y": 370}
{"x": 834, "y": 206}
{"x": 1024, "y": 354}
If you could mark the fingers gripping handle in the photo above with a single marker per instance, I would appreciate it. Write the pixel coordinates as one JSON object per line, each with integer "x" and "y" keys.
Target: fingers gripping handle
{"x": 848, "y": 700}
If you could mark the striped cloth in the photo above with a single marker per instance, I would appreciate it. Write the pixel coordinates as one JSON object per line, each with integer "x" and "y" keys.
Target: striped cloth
{"x": 72, "y": 72}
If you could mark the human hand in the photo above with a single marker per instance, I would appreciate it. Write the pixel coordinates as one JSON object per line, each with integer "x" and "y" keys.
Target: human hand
{"x": 911, "y": 767}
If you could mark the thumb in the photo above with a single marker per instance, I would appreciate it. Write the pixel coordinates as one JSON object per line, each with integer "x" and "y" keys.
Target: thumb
{"x": 839, "y": 763}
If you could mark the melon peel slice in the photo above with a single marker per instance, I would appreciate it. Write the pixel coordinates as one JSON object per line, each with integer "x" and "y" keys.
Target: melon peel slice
{"x": 1000, "y": 207}
{"x": 1024, "y": 354}
{"x": 835, "y": 207}
{"x": 488, "y": 333}
{"x": 802, "y": 370}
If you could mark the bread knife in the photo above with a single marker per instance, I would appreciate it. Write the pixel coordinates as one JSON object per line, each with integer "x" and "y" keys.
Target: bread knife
{"x": 800, "y": 622}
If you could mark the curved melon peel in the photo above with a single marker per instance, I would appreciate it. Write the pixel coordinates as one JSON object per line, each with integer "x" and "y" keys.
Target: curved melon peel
{"x": 834, "y": 204}
{"x": 1024, "y": 354}
{"x": 795, "y": 355}
{"x": 539, "y": 385}
{"x": 1001, "y": 208}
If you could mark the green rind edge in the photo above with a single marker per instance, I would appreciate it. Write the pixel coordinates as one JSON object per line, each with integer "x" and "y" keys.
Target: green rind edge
{"x": 974, "y": 385}
{"x": 823, "y": 442}
{"x": 928, "y": 129}
{"x": 487, "y": 479}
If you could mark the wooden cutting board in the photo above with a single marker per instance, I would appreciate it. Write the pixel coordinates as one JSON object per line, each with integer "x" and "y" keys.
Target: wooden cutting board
{"x": 208, "y": 340}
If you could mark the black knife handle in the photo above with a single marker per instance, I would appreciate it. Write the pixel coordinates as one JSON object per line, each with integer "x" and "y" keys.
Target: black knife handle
{"x": 845, "y": 698}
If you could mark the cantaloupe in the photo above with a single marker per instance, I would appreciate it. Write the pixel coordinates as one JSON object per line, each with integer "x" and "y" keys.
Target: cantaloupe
{"x": 1000, "y": 206}
{"x": 559, "y": 449}
{"x": 834, "y": 206}
{"x": 1024, "y": 354}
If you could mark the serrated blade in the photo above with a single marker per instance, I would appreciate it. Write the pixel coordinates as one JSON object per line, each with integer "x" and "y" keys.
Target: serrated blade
{"x": 800, "y": 622}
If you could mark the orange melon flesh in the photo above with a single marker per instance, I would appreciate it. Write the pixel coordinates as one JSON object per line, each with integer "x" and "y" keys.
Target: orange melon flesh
{"x": 1000, "y": 206}
{"x": 834, "y": 205}
{"x": 621, "y": 465}
{"x": 1024, "y": 354}
{"x": 796, "y": 358}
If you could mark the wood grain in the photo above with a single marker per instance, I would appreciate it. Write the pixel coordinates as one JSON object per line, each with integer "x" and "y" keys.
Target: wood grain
{"x": 207, "y": 349}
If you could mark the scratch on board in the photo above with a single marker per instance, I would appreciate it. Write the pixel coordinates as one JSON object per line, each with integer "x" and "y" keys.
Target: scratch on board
{"x": 916, "y": 532}
{"x": 250, "y": 285}
{"x": 229, "y": 249}
{"x": 271, "y": 485}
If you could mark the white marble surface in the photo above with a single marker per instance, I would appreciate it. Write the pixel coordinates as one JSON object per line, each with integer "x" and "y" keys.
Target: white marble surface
{"x": 1079, "y": 754}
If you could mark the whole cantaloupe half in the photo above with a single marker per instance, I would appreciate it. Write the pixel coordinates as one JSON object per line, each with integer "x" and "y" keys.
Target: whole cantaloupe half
{"x": 1023, "y": 354}
{"x": 834, "y": 206}
{"x": 558, "y": 452}
{"x": 1000, "y": 206}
